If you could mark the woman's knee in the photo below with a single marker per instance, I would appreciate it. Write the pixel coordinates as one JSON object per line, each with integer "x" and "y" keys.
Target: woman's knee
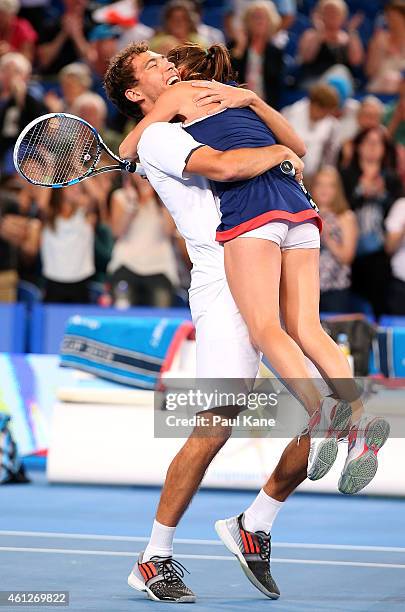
{"x": 305, "y": 333}
{"x": 262, "y": 328}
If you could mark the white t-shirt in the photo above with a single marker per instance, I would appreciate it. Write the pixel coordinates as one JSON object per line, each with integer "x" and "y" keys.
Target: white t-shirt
{"x": 67, "y": 252}
{"x": 395, "y": 222}
{"x": 144, "y": 247}
{"x": 163, "y": 151}
{"x": 321, "y": 137}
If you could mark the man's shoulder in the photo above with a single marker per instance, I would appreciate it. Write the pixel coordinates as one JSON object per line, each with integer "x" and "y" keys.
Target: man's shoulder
{"x": 158, "y": 130}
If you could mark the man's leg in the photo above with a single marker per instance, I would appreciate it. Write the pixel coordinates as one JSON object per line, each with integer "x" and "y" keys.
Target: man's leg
{"x": 183, "y": 478}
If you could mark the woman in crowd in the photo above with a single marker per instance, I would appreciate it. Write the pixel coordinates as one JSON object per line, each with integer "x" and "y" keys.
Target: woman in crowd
{"x": 386, "y": 53}
{"x": 143, "y": 256}
{"x": 328, "y": 43}
{"x": 395, "y": 246}
{"x": 338, "y": 240}
{"x": 180, "y": 25}
{"x": 371, "y": 187}
{"x": 255, "y": 59}
{"x": 67, "y": 246}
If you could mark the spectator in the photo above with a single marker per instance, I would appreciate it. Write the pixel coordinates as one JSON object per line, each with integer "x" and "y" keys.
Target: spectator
{"x": 394, "y": 117}
{"x": 369, "y": 115}
{"x": 92, "y": 108}
{"x": 17, "y": 106}
{"x": 143, "y": 255}
{"x": 16, "y": 34}
{"x": 67, "y": 247}
{"x": 180, "y": 22}
{"x": 19, "y": 236}
{"x": 103, "y": 40}
{"x": 64, "y": 39}
{"x": 395, "y": 246}
{"x": 211, "y": 36}
{"x": 75, "y": 79}
{"x": 338, "y": 240}
{"x": 287, "y": 10}
{"x": 255, "y": 58}
{"x": 327, "y": 43}
{"x": 386, "y": 53}
{"x": 126, "y": 15}
{"x": 371, "y": 187}
{"x": 35, "y": 11}
{"x": 313, "y": 119}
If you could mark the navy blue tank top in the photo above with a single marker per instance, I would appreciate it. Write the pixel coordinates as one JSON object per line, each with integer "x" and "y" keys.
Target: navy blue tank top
{"x": 251, "y": 203}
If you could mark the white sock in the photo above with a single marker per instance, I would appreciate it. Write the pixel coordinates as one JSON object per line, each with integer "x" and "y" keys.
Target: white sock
{"x": 262, "y": 513}
{"x": 161, "y": 541}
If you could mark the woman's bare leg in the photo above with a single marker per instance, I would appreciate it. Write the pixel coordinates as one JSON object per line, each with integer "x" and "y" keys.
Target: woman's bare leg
{"x": 253, "y": 269}
{"x": 299, "y": 302}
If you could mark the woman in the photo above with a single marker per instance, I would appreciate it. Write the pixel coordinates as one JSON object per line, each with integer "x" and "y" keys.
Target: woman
{"x": 276, "y": 246}
{"x": 338, "y": 240}
{"x": 143, "y": 256}
{"x": 255, "y": 59}
{"x": 371, "y": 187}
{"x": 328, "y": 43}
{"x": 386, "y": 54}
{"x": 67, "y": 247}
{"x": 180, "y": 24}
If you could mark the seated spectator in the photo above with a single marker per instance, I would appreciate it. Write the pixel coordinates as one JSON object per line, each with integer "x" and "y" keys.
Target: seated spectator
{"x": 394, "y": 117}
{"x": 255, "y": 58}
{"x": 64, "y": 39}
{"x": 17, "y": 106}
{"x": 103, "y": 41}
{"x": 210, "y": 35}
{"x": 338, "y": 240}
{"x": 126, "y": 15}
{"x": 16, "y": 34}
{"x": 287, "y": 10}
{"x": 19, "y": 237}
{"x": 180, "y": 21}
{"x": 395, "y": 246}
{"x": 348, "y": 108}
{"x": 386, "y": 52}
{"x": 371, "y": 186}
{"x": 67, "y": 246}
{"x": 92, "y": 108}
{"x": 369, "y": 115}
{"x": 328, "y": 43}
{"x": 143, "y": 256}
{"x": 313, "y": 119}
{"x": 75, "y": 79}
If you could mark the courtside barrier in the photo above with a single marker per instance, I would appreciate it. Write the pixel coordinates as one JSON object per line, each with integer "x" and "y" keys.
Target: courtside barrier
{"x": 13, "y": 328}
{"x": 49, "y": 320}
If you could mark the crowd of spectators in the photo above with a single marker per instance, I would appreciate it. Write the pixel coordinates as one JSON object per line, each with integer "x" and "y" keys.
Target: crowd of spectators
{"x": 334, "y": 68}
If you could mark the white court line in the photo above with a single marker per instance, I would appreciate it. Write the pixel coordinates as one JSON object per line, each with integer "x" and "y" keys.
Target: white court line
{"x": 112, "y": 553}
{"x": 88, "y": 536}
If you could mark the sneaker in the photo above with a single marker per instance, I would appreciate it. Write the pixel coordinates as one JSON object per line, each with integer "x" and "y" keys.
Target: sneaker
{"x": 161, "y": 578}
{"x": 253, "y": 552}
{"x": 326, "y": 428}
{"x": 365, "y": 440}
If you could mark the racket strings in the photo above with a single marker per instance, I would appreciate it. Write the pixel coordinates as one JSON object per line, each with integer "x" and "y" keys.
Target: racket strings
{"x": 57, "y": 150}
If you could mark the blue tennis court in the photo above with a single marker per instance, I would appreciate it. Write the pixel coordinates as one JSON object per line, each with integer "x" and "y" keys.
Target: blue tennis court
{"x": 329, "y": 552}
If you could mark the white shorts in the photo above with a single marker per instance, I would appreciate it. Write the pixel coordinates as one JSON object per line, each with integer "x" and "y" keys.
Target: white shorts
{"x": 223, "y": 345}
{"x": 288, "y": 235}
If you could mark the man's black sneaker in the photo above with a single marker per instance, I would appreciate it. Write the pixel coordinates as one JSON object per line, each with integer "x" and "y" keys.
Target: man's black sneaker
{"x": 161, "y": 578}
{"x": 253, "y": 552}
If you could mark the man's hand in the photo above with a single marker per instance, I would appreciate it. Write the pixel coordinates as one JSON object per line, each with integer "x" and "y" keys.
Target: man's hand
{"x": 226, "y": 96}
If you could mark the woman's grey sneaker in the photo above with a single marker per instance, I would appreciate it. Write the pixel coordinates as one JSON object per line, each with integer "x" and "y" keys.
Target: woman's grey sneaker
{"x": 365, "y": 440}
{"x": 326, "y": 427}
{"x": 161, "y": 578}
{"x": 252, "y": 550}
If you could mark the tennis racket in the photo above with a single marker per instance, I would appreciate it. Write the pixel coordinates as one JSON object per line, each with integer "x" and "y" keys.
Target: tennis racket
{"x": 287, "y": 167}
{"x": 58, "y": 150}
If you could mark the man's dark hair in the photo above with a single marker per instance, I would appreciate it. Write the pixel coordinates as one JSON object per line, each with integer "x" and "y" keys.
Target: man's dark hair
{"x": 120, "y": 77}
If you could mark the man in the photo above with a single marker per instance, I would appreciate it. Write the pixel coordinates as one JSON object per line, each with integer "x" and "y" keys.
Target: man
{"x": 313, "y": 119}
{"x": 176, "y": 165}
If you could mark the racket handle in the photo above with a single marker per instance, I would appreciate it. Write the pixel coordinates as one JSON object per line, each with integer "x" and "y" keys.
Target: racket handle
{"x": 287, "y": 167}
{"x": 130, "y": 166}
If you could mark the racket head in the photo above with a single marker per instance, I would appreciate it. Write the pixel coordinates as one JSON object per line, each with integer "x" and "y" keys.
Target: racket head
{"x": 57, "y": 150}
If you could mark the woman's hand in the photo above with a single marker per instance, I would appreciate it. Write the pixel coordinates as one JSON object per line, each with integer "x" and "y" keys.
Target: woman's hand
{"x": 226, "y": 96}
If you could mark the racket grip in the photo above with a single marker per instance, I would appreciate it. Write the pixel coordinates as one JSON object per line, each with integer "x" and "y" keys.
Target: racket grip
{"x": 287, "y": 167}
{"x": 129, "y": 166}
